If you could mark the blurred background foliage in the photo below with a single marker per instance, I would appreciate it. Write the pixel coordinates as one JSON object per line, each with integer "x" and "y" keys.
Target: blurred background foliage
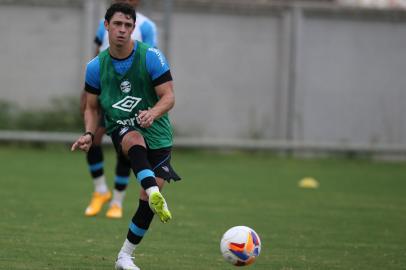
{"x": 63, "y": 115}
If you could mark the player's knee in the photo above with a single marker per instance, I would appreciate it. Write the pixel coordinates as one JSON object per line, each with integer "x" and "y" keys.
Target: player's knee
{"x": 130, "y": 139}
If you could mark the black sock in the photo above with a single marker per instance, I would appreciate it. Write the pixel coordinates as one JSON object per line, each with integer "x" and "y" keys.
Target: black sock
{"x": 141, "y": 167}
{"x": 123, "y": 170}
{"x": 95, "y": 161}
{"x": 140, "y": 223}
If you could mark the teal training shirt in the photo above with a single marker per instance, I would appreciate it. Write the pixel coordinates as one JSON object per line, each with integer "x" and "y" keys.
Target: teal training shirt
{"x": 122, "y": 96}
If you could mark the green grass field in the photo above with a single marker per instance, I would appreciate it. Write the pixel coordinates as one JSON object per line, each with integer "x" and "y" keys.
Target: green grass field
{"x": 356, "y": 219}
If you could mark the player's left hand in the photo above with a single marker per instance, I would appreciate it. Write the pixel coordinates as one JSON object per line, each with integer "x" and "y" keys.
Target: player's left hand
{"x": 83, "y": 143}
{"x": 146, "y": 118}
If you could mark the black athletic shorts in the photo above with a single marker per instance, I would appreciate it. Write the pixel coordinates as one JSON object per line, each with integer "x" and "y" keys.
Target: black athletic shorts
{"x": 159, "y": 159}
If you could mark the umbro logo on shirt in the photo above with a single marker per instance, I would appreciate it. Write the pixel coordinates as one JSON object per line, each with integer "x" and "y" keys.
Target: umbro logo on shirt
{"x": 127, "y": 104}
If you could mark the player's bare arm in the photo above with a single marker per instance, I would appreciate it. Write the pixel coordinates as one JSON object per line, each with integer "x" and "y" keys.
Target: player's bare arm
{"x": 91, "y": 118}
{"x": 166, "y": 102}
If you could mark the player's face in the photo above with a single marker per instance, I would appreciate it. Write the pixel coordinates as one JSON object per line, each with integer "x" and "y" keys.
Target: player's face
{"x": 120, "y": 29}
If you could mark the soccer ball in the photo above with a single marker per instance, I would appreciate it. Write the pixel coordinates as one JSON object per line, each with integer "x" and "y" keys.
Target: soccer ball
{"x": 240, "y": 245}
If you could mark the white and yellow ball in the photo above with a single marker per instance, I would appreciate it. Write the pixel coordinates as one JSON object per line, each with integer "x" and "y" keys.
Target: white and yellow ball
{"x": 240, "y": 245}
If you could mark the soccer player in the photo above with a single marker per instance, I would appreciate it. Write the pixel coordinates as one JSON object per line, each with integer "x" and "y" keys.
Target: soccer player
{"x": 132, "y": 84}
{"x": 145, "y": 31}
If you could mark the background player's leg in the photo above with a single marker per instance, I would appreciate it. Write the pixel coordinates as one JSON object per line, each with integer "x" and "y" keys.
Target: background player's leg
{"x": 123, "y": 170}
{"x": 95, "y": 161}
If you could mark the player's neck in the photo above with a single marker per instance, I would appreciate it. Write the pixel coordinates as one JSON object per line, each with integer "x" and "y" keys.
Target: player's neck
{"x": 122, "y": 52}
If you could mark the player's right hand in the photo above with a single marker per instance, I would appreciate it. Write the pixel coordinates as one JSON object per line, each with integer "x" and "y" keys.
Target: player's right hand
{"x": 83, "y": 143}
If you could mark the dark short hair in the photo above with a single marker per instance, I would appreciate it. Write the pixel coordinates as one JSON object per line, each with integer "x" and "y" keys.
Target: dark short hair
{"x": 120, "y": 7}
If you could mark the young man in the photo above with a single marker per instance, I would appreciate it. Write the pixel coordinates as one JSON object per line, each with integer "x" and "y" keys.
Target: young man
{"x": 145, "y": 31}
{"x": 132, "y": 84}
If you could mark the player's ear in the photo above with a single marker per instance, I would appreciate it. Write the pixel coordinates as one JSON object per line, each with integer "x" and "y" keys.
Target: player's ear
{"x": 106, "y": 24}
{"x": 133, "y": 28}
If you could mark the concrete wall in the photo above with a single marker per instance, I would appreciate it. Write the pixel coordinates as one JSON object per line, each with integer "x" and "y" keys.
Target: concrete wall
{"x": 41, "y": 52}
{"x": 317, "y": 77}
{"x": 352, "y": 83}
{"x": 226, "y": 74}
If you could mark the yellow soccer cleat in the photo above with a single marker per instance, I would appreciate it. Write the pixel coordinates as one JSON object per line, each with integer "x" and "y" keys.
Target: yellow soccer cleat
{"x": 98, "y": 199}
{"x": 158, "y": 205}
{"x": 115, "y": 211}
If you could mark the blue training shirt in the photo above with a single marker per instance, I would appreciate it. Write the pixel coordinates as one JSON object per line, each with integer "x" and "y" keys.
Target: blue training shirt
{"x": 156, "y": 64}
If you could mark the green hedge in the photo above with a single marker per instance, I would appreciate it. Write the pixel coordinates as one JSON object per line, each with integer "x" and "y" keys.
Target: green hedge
{"x": 64, "y": 115}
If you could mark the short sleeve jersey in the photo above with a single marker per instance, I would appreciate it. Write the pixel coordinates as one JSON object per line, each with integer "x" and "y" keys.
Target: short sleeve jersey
{"x": 125, "y": 86}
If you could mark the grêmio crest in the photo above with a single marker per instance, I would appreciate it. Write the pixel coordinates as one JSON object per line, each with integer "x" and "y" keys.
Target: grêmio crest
{"x": 125, "y": 86}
